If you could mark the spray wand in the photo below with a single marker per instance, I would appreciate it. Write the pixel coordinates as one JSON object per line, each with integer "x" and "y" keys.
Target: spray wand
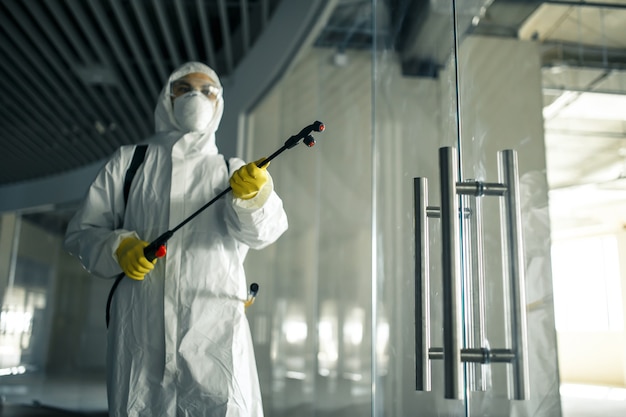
{"x": 158, "y": 247}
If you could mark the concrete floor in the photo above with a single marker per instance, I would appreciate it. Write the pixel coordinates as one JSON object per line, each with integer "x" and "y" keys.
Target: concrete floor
{"x": 34, "y": 410}
{"x": 593, "y": 401}
{"x": 38, "y": 396}
{"x": 41, "y": 395}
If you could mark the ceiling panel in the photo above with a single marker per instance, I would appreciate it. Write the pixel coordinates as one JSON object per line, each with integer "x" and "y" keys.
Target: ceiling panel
{"x": 591, "y": 25}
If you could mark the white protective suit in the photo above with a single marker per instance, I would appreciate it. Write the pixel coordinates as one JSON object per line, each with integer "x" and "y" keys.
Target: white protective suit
{"x": 179, "y": 343}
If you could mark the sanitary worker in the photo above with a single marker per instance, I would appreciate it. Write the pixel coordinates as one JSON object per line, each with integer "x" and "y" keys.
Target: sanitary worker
{"x": 179, "y": 343}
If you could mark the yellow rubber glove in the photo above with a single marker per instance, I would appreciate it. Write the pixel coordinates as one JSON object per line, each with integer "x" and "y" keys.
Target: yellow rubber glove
{"x": 132, "y": 260}
{"x": 248, "y": 180}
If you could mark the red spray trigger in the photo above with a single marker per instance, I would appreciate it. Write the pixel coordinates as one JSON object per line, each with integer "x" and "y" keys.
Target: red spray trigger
{"x": 161, "y": 251}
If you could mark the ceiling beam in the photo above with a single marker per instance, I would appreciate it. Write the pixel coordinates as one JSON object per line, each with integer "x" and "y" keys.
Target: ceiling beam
{"x": 227, "y": 47}
{"x": 43, "y": 86}
{"x": 146, "y": 106}
{"x": 205, "y": 28}
{"x": 245, "y": 25}
{"x": 110, "y": 114}
{"x": 99, "y": 48}
{"x": 184, "y": 28}
{"x": 165, "y": 27}
{"x": 122, "y": 16}
{"x": 149, "y": 37}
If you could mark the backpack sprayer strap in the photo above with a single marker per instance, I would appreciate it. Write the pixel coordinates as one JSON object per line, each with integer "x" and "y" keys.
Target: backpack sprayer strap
{"x": 138, "y": 157}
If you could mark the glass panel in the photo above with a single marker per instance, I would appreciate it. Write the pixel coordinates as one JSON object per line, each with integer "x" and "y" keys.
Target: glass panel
{"x": 24, "y": 324}
{"x": 415, "y": 114}
{"x": 501, "y": 108}
{"x": 52, "y": 333}
{"x": 311, "y": 322}
{"x": 334, "y": 324}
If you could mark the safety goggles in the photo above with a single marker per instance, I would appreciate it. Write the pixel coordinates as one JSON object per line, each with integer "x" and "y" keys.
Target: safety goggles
{"x": 187, "y": 85}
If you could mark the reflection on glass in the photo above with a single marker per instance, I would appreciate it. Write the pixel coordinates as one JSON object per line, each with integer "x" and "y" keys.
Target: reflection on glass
{"x": 353, "y": 327}
{"x": 382, "y": 345}
{"x": 15, "y": 328}
{"x": 292, "y": 339}
{"x": 25, "y": 299}
{"x": 352, "y": 347}
{"x": 295, "y": 330}
{"x": 47, "y": 329}
{"x": 328, "y": 354}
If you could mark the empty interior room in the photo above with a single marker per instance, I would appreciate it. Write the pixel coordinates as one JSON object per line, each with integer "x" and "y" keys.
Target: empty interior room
{"x": 456, "y": 242}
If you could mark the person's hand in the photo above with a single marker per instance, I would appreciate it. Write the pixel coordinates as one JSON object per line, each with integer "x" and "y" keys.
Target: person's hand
{"x": 132, "y": 260}
{"x": 248, "y": 180}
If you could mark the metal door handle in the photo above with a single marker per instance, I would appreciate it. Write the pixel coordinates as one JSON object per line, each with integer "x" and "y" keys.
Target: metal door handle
{"x": 422, "y": 286}
{"x": 474, "y": 284}
{"x": 453, "y": 352}
{"x": 451, "y": 270}
{"x": 515, "y": 280}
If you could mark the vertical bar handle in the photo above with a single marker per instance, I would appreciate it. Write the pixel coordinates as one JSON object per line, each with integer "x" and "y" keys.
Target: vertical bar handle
{"x": 474, "y": 298}
{"x": 422, "y": 286}
{"x": 515, "y": 281}
{"x": 451, "y": 269}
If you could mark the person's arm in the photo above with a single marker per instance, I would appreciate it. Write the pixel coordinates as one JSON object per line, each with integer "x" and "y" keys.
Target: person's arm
{"x": 95, "y": 232}
{"x": 257, "y": 221}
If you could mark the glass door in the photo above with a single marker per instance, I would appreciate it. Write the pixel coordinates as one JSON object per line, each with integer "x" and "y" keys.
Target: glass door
{"x": 428, "y": 127}
{"x": 462, "y": 288}
{"x": 312, "y": 320}
{"x": 415, "y": 115}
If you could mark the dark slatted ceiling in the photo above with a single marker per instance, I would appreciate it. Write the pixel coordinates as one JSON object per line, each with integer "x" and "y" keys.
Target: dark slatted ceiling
{"x": 78, "y": 78}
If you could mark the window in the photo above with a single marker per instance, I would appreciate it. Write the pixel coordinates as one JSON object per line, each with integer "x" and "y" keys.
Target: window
{"x": 587, "y": 290}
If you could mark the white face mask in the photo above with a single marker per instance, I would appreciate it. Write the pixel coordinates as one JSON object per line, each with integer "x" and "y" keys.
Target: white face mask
{"x": 193, "y": 111}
